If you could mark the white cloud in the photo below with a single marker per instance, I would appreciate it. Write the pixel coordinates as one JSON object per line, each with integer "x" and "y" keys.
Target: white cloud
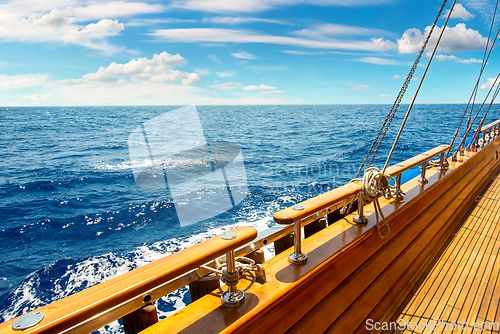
{"x": 488, "y": 84}
{"x": 459, "y": 12}
{"x": 21, "y": 81}
{"x": 271, "y": 91}
{"x": 243, "y": 55}
{"x": 261, "y": 87}
{"x": 214, "y": 59}
{"x": 57, "y": 26}
{"x": 150, "y": 22}
{"x": 37, "y": 97}
{"x": 484, "y": 7}
{"x": 359, "y": 87}
{"x": 458, "y": 60}
{"x": 322, "y": 31}
{"x": 57, "y": 21}
{"x": 96, "y": 11}
{"x": 397, "y": 76}
{"x": 457, "y": 38}
{"x": 226, "y": 86}
{"x": 312, "y": 53}
{"x": 225, "y": 74}
{"x": 157, "y": 69}
{"x": 202, "y": 71}
{"x": 252, "y": 6}
{"x": 139, "y": 93}
{"x": 243, "y": 36}
{"x": 237, "y": 20}
{"x": 384, "y": 95}
{"x": 381, "y": 61}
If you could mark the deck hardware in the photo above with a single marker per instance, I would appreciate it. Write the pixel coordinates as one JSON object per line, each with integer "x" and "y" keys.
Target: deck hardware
{"x": 203, "y": 286}
{"x": 232, "y": 296}
{"x": 298, "y": 208}
{"x": 399, "y": 193}
{"x": 360, "y": 218}
{"x": 228, "y": 236}
{"x": 147, "y": 298}
{"x": 297, "y": 257}
{"x": 315, "y": 227}
{"x": 27, "y": 321}
{"x": 140, "y": 319}
{"x": 400, "y": 165}
{"x": 441, "y": 163}
{"x": 422, "y": 178}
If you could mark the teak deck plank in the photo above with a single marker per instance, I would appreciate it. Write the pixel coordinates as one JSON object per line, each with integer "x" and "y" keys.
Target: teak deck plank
{"x": 464, "y": 285}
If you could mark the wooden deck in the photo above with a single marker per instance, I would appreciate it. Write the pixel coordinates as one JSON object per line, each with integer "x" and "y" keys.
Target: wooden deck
{"x": 464, "y": 284}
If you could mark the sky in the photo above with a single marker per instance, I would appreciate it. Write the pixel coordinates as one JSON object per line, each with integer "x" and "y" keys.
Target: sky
{"x": 211, "y": 52}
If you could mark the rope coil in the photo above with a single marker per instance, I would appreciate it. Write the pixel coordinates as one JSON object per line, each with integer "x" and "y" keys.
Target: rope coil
{"x": 375, "y": 184}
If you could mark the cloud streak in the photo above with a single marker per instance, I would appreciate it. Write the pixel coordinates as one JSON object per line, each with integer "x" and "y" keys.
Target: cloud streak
{"x": 254, "y": 6}
{"x": 458, "y": 60}
{"x": 243, "y": 36}
{"x": 21, "y": 81}
{"x": 382, "y": 61}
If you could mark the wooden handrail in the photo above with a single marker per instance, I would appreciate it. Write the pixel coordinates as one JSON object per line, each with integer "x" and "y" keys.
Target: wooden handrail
{"x": 417, "y": 160}
{"x": 486, "y": 127}
{"x": 313, "y": 205}
{"x": 99, "y": 301}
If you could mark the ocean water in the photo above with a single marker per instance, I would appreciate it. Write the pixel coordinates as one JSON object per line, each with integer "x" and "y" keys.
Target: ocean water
{"x": 72, "y": 215}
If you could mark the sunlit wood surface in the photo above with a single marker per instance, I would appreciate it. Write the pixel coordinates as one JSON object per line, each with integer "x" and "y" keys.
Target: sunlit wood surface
{"x": 464, "y": 285}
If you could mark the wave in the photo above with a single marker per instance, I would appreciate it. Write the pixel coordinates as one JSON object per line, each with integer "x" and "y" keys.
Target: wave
{"x": 40, "y": 287}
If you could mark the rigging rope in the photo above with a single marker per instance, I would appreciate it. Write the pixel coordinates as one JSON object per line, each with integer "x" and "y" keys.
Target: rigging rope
{"x": 486, "y": 113}
{"x": 419, "y": 86}
{"x": 395, "y": 106}
{"x": 375, "y": 182}
{"x": 475, "y": 90}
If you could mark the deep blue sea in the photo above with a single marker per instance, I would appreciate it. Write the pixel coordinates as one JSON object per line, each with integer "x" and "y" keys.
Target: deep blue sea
{"x": 72, "y": 215}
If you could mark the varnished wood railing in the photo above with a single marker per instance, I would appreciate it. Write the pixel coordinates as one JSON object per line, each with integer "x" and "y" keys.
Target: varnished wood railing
{"x": 92, "y": 308}
{"x": 487, "y": 133}
{"x": 324, "y": 204}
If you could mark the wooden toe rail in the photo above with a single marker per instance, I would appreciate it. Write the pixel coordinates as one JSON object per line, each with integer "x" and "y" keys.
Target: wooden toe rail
{"x": 92, "y": 308}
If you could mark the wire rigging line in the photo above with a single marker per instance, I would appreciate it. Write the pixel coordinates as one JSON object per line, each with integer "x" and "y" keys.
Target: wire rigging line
{"x": 392, "y": 112}
{"x": 418, "y": 89}
{"x": 475, "y": 90}
{"x": 387, "y": 122}
{"x": 486, "y": 113}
